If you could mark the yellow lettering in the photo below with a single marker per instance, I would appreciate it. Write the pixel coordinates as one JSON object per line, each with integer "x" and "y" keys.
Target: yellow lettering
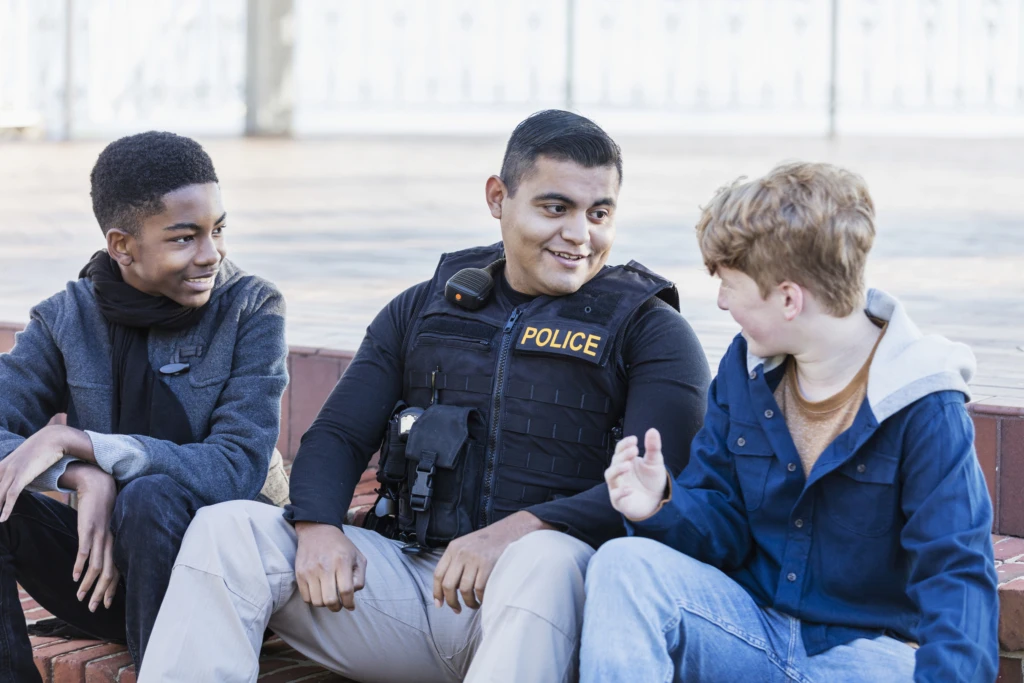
{"x": 572, "y": 341}
{"x": 528, "y": 333}
{"x": 592, "y": 341}
{"x": 555, "y": 339}
{"x": 546, "y": 339}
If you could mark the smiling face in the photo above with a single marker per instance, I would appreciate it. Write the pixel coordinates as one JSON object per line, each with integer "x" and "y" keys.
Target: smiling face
{"x": 176, "y": 253}
{"x": 558, "y": 228}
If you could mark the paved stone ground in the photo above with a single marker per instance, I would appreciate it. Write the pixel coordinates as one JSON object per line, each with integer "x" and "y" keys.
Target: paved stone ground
{"x": 343, "y": 225}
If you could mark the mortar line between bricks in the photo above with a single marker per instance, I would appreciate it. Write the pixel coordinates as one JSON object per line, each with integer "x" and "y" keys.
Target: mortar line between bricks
{"x": 110, "y": 656}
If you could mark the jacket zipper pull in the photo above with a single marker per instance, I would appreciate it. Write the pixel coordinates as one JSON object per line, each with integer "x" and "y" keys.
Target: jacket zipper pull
{"x": 512, "y": 320}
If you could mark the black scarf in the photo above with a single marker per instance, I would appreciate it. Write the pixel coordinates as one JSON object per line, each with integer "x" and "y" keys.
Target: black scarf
{"x": 143, "y": 404}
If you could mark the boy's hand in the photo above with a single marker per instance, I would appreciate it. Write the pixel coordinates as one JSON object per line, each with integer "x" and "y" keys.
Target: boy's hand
{"x": 329, "y": 568}
{"x": 26, "y": 462}
{"x": 637, "y": 485}
{"x": 96, "y": 494}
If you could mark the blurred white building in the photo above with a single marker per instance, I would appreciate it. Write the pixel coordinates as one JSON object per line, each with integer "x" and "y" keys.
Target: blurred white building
{"x": 100, "y": 68}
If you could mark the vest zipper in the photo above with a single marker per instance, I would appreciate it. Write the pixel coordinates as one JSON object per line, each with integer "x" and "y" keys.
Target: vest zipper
{"x": 492, "y": 439}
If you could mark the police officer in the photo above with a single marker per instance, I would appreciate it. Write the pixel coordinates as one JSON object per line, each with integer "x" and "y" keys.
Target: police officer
{"x": 502, "y": 384}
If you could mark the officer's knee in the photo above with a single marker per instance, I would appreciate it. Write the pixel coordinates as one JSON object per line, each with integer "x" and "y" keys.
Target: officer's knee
{"x": 214, "y": 524}
{"x": 558, "y": 550}
{"x": 544, "y": 559}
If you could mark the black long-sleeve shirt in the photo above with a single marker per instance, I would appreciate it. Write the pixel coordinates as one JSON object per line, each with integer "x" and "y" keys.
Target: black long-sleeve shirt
{"x": 667, "y": 379}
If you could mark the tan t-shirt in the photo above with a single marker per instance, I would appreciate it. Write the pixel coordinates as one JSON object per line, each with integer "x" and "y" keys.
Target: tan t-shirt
{"x": 814, "y": 425}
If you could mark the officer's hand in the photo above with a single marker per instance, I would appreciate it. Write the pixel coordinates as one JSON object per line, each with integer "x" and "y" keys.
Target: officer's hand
{"x": 468, "y": 561}
{"x": 329, "y": 568}
{"x": 637, "y": 485}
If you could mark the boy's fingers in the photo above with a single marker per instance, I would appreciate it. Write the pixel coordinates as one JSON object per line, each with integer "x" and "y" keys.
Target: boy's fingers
{"x": 10, "y": 498}
{"x": 652, "y": 447}
{"x": 83, "y": 555}
{"x": 613, "y": 473}
{"x": 624, "y": 444}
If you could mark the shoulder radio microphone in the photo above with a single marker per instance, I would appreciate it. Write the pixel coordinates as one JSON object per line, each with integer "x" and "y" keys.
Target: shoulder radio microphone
{"x": 470, "y": 287}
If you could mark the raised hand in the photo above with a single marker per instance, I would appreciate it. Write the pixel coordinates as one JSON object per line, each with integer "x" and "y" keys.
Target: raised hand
{"x": 637, "y": 485}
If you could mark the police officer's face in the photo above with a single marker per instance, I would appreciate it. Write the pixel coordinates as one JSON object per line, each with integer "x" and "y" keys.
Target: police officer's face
{"x": 559, "y": 226}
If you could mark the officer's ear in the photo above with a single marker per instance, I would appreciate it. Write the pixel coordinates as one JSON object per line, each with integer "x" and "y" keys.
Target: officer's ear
{"x": 495, "y": 193}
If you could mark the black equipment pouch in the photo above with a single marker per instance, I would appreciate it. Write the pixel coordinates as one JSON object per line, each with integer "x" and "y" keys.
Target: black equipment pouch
{"x": 444, "y": 473}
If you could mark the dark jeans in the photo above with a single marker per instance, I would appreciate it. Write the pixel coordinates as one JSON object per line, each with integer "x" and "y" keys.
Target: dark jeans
{"x": 38, "y": 545}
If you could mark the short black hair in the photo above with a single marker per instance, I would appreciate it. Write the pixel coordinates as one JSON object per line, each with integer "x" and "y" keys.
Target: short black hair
{"x": 560, "y": 135}
{"x": 132, "y": 175}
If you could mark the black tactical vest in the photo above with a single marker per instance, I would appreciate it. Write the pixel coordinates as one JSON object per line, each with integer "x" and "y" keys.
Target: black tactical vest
{"x": 543, "y": 380}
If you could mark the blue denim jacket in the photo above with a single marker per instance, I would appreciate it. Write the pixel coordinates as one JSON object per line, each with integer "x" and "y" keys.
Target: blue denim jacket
{"x": 890, "y": 531}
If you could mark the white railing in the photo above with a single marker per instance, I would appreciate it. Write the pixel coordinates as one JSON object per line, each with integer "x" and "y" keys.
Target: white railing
{"x": 85, "y": 68}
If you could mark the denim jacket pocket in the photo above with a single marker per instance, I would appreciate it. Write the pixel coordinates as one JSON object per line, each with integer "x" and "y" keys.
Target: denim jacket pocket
{"x": 753, "y": 456}
{"x": 861, "y": 495}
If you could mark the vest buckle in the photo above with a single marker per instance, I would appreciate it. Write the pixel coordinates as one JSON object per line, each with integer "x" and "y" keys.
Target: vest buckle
{"x": 422, "y": 486}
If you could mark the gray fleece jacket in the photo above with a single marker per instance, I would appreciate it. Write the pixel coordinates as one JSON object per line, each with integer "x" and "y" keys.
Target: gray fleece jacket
{"x": 232, "y": 393}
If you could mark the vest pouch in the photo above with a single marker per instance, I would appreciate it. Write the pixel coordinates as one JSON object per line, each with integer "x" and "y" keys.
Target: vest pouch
{"x": 443, "y": 474}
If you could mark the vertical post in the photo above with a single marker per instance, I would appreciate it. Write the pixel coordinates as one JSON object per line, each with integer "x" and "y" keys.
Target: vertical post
{"x": 269, "y": 83}
{"x": 570, "y": 52}
{"x": 68, "y": 104}
{"x": 833, "y": 72}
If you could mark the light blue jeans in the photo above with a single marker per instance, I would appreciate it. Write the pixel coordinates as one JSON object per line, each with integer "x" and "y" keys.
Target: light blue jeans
{"x": 654, "y": 614}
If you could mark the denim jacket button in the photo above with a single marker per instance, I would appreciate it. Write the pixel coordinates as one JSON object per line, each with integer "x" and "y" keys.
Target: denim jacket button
{"x": 799, "y": 524}
{"x": 861, "y": 468}
{"x": 753, "y": 374}
{"x": 741, "y": 442}
{"x": 791, "y": 577}
{"x": 769, "y": 414}
{"x": 791, "y": 467}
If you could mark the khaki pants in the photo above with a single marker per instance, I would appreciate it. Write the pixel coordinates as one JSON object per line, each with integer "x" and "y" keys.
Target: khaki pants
{"x": 235, "y": 576}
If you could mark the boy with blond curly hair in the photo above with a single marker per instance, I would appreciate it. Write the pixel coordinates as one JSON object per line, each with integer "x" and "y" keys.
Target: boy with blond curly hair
{"x": 833, "y": 522}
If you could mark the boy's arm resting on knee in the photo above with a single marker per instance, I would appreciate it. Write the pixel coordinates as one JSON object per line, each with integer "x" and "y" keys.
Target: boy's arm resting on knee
{"x": 33, "y": 388}
{"x": 231, "y": 463}
{"x": 947, "y": 537}
{"x": 705, "y": 517}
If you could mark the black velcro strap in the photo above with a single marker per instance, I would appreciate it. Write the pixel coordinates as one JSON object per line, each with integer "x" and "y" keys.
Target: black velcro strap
{"x": 552, "y": 430}
{"x": 474, "y": 384}
{"x": 594, "y": 403}
{"x": 521, "y": 493}
{"x": 458, "y": 327}
{"x": 563, "y": 467}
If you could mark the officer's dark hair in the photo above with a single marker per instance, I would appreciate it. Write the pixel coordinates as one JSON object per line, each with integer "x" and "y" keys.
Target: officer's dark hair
{"x": 133, "y": 174}
{"x": 559, "y": 135}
